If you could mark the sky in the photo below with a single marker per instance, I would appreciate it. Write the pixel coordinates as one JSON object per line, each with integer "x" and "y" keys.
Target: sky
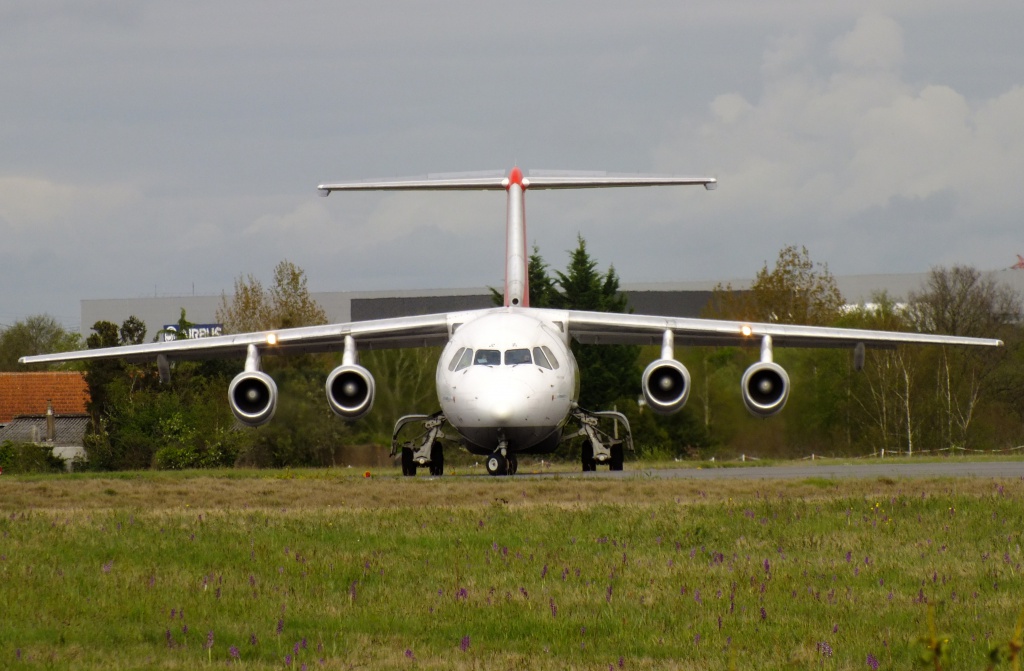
{"x": 171, "y": 148}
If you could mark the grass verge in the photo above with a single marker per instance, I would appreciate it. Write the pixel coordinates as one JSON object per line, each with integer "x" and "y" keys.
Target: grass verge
{"x": 329, "y": 569}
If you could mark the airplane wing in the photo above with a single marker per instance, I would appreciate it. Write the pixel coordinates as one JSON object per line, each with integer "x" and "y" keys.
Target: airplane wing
{"x": 611, "y": 328}
{"x": 416, "y": 331}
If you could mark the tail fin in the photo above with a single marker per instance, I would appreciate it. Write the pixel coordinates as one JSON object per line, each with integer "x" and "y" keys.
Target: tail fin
{"x": 517, "y": 289}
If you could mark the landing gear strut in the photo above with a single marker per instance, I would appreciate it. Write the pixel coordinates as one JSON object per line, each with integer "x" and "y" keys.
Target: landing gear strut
{"x": 424, "y": 449}
{"x": 599, "y": 447}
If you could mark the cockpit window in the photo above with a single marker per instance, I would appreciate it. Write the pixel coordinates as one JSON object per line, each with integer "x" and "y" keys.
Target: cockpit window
{"x": 466, "y": 360}
{"x": 487, "y": 357}
{"x": 540, "y": 359}
{"x": 514, "y": 357}
{"x": 551, "y": 357}
{"x": 455, "y": 359}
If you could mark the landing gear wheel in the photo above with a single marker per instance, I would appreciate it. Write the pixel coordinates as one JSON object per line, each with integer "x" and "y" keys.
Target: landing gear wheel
{"x": 497, "y": 464}
{"x": 408, "y": 465}
{"x": 513, "y": 464}
{"x": 436, "y": 459}
{"x": 587, "y": 456}
{"x": 617, "y": 458}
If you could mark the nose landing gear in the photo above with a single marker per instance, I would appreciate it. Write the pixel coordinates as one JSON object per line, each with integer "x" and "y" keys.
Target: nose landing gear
{"x": 501, "y": 462}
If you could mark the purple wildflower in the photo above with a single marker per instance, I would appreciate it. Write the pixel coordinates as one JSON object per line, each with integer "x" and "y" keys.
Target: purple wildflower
{"x": 209, "y": 639}
{"x": 554, "y": 608}
{"x": 252, "y": 639}
{"x": 109, "y": 565}
{"x": 464, "y": 643}
{"x": 233, "y": 652}
{"x": 280, "y": 626}
{"x": 287, "y": 660}
{"x": 409, "y": 655}
{"x": 872, "y": 662}
{"x": 170, "y": 638}
{"x": 608, "y": 595}
{"x": 824, "y": 649}
{"x": 764, "y": 614}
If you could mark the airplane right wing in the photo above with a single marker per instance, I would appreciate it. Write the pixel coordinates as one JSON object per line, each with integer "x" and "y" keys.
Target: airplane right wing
{"x": 612, "y": 328}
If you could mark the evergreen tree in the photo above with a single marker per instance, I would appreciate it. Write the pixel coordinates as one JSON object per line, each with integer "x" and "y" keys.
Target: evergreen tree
{"x": 608, "y": 372}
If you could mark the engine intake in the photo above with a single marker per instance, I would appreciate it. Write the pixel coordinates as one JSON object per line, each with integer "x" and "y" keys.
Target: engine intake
{"x": 253, "y": 397}
{"x": 765, "y": 388}
{"x": 666, "y": 386}
{"x": 350, "y": 391}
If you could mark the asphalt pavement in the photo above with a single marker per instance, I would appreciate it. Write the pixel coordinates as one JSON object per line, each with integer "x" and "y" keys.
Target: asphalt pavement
{"x": 924, "y": 469}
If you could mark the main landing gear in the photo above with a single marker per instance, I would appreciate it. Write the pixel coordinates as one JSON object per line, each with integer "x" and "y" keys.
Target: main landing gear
{"x": 600, "y": 447}
{"x": 423, "y": 450}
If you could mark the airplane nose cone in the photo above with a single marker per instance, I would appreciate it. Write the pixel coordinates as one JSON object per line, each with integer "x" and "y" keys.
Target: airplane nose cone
{"x": 505, "y": 404}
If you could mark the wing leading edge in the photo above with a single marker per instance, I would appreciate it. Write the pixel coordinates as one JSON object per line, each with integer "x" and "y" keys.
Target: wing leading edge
{"x": 416, "y": 331}
{"x": 609, "y": 328}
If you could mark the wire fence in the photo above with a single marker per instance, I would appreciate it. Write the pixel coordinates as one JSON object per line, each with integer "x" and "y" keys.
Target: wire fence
{"x": 883, "y": 453}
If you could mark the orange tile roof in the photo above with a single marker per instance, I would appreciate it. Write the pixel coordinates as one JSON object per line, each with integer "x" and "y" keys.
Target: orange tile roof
{"x": 27, "y": 393}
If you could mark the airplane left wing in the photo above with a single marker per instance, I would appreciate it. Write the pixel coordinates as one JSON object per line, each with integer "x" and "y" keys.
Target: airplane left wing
{"x": 413, "y": 331}
{"x": 611, "y": 328}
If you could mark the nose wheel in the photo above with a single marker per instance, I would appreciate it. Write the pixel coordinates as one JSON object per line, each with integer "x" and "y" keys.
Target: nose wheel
{"x": 500, "y": 464}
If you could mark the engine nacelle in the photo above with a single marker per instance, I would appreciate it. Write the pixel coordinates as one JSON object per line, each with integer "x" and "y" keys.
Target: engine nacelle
{"x": 350, "y": 391}
{"x": 765, "y": 388}
{"x": 666, "y": 386}
{"x": 253, "y": 397}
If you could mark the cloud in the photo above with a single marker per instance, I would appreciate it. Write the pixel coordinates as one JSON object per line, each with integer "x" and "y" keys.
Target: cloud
{"x": 831, "y": 145}
{"x": 28, "y": 203}
{"x": 876, "y": 42}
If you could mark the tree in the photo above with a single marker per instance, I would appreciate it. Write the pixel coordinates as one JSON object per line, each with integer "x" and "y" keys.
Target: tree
{"x": 883, "y": 395}
{"x": 958, "y": 301}
{"x": 609, "y": 372}
{"x": 139, "y": 422}
{"x": 795, "y": 291}
{"x": 286, "y": 304}
{"x": 39, "y": 334}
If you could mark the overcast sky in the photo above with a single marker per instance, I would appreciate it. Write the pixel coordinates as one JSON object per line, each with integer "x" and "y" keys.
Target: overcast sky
{"x": 168, "y": 148}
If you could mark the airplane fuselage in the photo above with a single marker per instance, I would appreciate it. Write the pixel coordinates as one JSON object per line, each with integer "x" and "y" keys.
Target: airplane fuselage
{"x": 508, "y": 378}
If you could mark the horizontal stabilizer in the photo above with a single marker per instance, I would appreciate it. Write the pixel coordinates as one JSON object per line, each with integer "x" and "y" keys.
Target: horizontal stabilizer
{"x": 539, "y": 179}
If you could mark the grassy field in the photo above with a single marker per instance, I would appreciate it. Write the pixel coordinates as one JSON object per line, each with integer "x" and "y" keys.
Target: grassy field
{"x": 329, "y": 569}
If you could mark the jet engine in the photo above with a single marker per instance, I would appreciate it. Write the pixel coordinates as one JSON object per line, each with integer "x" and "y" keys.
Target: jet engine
{"x": 350, "y": 390}
{"x": 253, "y": 397}
{"x": 765, "y": 388}
{"x": 666, "y": 386}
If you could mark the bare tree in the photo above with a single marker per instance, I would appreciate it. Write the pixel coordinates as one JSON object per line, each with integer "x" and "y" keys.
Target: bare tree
{"x": 960, "y": 301}
{"x": 285, "y": 304}
{"x": 795, "y": 291}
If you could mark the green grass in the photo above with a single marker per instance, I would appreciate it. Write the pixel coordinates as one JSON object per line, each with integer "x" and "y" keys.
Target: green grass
{"x": 135, "y": 571}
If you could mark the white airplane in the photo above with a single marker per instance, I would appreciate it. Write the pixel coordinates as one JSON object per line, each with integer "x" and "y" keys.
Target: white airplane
{"x": 506, "y": 380}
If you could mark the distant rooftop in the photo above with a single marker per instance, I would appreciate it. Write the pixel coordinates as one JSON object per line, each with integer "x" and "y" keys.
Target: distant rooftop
{"x": 28, "y": 394}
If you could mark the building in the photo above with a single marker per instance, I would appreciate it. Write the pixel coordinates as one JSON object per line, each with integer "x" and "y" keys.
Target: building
{"x": 48, "y": 408}
{"x": 671, "y": 299}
